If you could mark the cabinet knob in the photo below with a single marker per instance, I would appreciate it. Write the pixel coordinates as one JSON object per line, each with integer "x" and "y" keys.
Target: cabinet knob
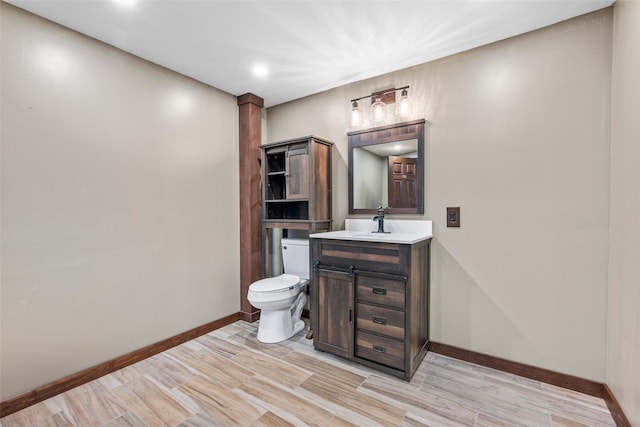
{"x": 379, "y": 349}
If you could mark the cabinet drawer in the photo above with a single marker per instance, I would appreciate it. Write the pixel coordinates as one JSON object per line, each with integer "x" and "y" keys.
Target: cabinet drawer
{"x": 389, "y": 258}
{"x": 381, "y": 350}
{"x": 381, "y": 320}
{"x": 381, "y": 290}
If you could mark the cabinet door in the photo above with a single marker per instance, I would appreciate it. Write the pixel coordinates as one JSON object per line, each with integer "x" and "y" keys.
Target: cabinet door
{"x": 297, "y": 174}
{"x": 334, "y": 331}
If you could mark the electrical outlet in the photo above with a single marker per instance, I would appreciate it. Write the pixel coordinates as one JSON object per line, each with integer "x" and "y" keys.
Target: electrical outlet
{"x": 453, "y": 217}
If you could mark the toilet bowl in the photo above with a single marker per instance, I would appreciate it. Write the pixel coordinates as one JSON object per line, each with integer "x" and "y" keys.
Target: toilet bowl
{"x": 282, "y": 298}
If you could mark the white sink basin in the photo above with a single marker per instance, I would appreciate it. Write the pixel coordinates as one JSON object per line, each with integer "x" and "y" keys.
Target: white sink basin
{"x": 401, "y": 231}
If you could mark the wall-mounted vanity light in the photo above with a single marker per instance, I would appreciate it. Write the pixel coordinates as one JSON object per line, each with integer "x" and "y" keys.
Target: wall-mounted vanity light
{"x": 355, "y": 114}
{"x": 379, "y": 102}
{"x": 378, "y": 111}
{"x": 403, "y": 105}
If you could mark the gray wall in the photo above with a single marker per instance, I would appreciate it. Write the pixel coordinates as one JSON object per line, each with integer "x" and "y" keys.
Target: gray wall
{"x": 623, "y": 338}
{"x": 120, "y": 217}
{"x": 367, "y": 184}
{"x": 519, "y": 138}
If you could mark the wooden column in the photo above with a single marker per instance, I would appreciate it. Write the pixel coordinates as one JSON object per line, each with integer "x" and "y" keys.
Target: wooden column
{"x": 250, "y": 138}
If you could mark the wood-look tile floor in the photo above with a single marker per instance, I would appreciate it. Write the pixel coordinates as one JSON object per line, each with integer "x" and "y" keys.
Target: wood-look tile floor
{"x": 227, "y": 378}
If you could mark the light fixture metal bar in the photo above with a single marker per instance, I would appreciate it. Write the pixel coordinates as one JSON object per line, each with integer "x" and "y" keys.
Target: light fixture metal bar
{"x": 381, "y": 93}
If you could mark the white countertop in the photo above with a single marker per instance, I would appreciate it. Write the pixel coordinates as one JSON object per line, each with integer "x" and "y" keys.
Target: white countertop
{"x": 400, "y": 231}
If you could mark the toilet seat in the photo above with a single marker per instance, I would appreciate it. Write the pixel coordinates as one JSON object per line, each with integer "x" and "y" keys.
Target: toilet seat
{"x": 281, "y": 283}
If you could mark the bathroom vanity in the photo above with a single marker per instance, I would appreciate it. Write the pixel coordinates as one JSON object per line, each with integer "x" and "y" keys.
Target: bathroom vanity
{"x": 370, "y": 294}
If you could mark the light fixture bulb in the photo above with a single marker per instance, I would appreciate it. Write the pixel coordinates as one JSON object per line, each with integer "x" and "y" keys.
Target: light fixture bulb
{"x": 403, "y": 104}
{"x": 355, "y": 114}
{"x": 378, "y": 111}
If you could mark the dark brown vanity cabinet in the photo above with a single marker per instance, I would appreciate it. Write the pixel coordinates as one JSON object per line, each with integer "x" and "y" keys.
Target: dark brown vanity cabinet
{"x": 370, "y": 302}
{"x": 297, "y": 184}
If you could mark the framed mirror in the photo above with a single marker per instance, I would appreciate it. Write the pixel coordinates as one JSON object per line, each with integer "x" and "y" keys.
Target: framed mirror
{"x": 386, "y": 168}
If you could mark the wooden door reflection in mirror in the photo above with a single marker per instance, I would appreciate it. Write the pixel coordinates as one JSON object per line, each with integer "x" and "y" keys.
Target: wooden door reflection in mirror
{"x": 403, "y": 192}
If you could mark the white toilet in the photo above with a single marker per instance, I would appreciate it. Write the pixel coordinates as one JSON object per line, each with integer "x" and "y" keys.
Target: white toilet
{"x": 282, "y": 298}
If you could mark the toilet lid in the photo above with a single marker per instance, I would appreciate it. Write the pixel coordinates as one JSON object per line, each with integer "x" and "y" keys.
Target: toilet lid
{"x": 283, "y": 282}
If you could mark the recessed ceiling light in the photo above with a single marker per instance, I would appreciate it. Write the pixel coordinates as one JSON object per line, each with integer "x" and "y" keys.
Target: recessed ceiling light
{"x": 260, "y": 70}
{"x": 126, "y": 3}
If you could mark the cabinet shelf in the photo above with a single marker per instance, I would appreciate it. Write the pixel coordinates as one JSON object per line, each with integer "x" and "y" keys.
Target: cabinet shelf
{"x": 286, "y": 201}
{"x": 275, "y": 161}
{"x": 287, "y": 209}
{"x": 296, "y": 224}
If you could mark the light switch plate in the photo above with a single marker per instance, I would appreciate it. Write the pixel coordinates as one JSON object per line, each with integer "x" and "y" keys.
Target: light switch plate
{"x": 453, "y": 217}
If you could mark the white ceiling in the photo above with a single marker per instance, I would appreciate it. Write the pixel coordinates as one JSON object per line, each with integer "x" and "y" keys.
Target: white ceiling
{"x": 308, "y": 45}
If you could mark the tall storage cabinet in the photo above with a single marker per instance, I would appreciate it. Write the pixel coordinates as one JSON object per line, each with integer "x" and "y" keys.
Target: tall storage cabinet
{"x": 296, "y": 187}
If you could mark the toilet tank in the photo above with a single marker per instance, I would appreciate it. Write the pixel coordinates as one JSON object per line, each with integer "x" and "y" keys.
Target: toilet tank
{"x": 295, "y": 257}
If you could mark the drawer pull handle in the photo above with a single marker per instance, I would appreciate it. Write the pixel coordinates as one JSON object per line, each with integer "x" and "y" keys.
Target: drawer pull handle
{"x": 379, "y": 349}
{"x": 379, "y": 320}
{"x": 379, "y": 291}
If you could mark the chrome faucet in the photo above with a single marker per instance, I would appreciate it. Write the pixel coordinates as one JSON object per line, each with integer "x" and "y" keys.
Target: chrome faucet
{"x": 380, "y": 219}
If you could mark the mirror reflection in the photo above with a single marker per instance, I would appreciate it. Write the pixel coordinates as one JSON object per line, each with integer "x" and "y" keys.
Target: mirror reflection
{"x": 386, "y": 169}
{"x": 385, "y": 175}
